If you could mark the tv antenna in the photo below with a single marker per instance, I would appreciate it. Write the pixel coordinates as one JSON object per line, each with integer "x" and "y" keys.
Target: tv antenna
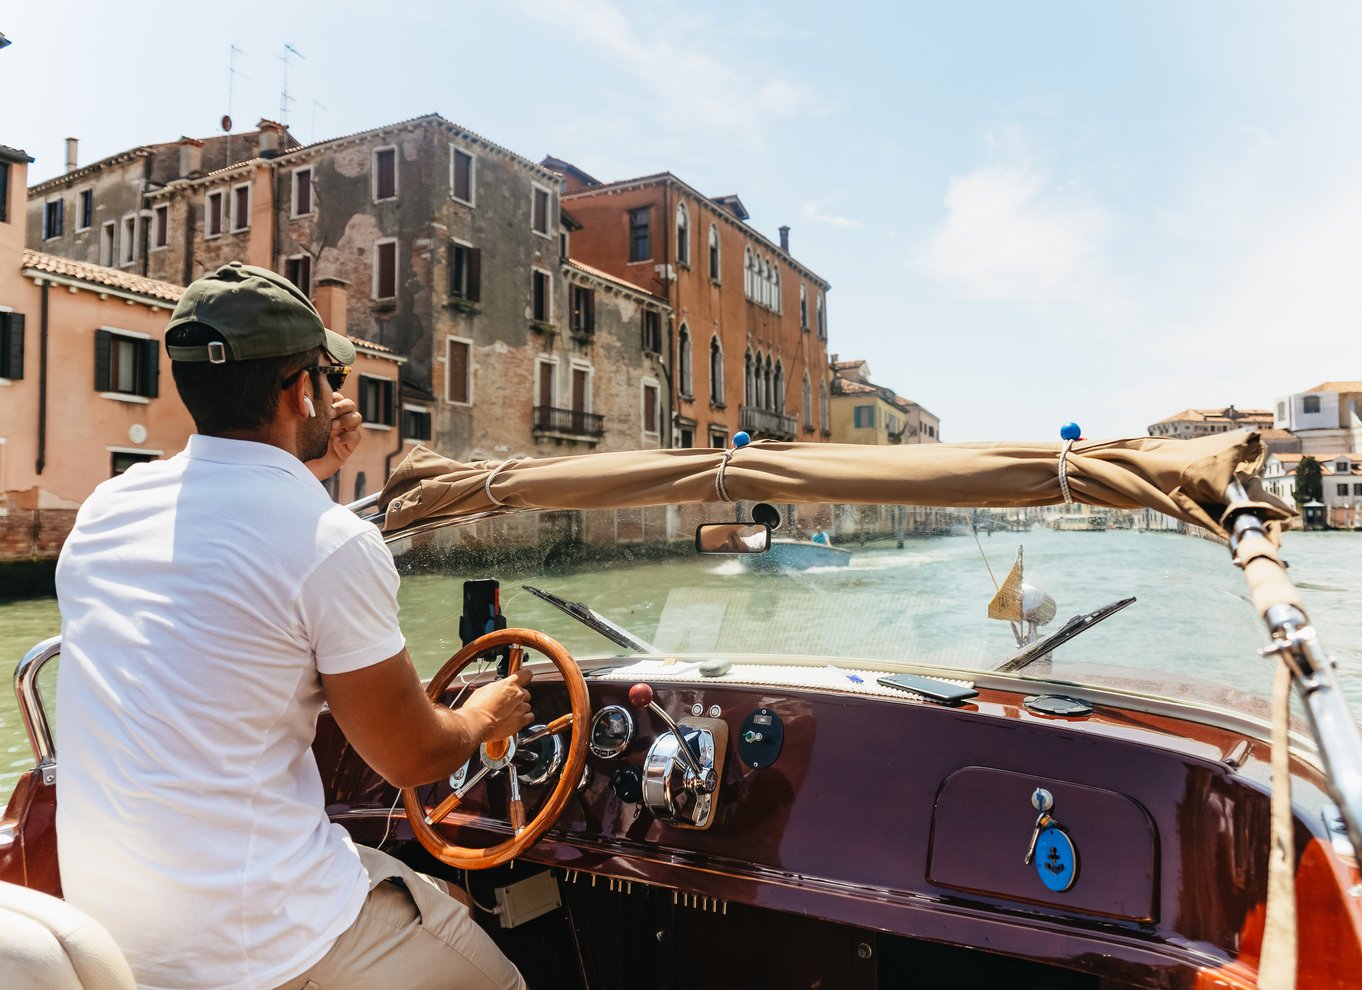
{"x": 284, "y": 98}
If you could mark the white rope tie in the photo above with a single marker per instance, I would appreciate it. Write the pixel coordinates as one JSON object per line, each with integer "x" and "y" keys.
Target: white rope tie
{"x": 719, "y": 478}
{"x": 1064, "y": 472}
{"x": 487, "y": 485}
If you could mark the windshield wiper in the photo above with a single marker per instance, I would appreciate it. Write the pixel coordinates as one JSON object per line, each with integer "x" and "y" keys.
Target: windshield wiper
{"x": 1079, "y": 623}
{"x": 592, "y": 619}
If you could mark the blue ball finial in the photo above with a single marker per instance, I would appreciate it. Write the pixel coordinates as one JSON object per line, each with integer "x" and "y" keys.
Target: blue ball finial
{"x": 1070, "y": 431}
{"x": 741, "y": 439}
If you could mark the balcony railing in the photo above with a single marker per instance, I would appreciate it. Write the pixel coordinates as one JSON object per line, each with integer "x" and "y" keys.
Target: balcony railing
{"x": 769, "y": 424}
{"x": 573, "y": 422}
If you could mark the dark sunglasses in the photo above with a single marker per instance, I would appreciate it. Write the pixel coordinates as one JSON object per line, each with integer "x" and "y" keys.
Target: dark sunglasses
{"x": 335, "y": 375}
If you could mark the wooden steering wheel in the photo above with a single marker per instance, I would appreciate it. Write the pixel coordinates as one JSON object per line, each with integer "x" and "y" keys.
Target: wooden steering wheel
{"x": 496, "y": 756}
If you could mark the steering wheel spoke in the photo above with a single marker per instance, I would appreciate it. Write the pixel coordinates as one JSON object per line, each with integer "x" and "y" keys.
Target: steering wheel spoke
{"x": 496, "y": 755}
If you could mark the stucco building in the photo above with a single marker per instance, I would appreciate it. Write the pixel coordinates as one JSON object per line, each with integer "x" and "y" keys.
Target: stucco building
{"x": 1325, "y": 419}
{"x": 863, "y": 412}
{"x": 85, "y": 384}
{"x": 746, "y": 346}
{"x": 447, "y": 251}
{"x": 1202, "y": 422}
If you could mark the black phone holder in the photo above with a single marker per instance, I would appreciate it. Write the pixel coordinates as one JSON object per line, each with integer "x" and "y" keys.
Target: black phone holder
{"x": 482, "y": 614}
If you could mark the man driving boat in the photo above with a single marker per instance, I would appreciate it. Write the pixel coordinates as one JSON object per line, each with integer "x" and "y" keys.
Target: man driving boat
{"x": 211, "y": 603}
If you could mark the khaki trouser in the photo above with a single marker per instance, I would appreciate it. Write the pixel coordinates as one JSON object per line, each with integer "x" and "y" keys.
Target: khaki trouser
{"x": 411, "y": 934}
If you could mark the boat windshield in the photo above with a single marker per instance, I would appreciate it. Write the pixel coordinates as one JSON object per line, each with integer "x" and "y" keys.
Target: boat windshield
{"x": 859, "y": 587}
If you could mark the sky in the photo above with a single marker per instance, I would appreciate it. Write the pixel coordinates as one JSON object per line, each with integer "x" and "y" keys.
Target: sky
{"x": 1029, "y": 213}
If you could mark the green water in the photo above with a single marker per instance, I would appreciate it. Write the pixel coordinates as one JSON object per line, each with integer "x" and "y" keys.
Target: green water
{"x": 922, "y": 603}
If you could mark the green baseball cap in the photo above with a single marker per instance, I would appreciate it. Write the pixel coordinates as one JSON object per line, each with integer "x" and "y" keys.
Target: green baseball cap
{"x": 259, "y": 313}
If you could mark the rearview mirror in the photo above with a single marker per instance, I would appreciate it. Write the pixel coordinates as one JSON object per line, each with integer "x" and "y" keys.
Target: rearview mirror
{"x": 732, "y": 538}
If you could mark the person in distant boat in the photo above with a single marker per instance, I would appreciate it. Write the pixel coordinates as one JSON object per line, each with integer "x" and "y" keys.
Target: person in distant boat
{"x": 822, "y": 537}
{"x": 211, "y": 603}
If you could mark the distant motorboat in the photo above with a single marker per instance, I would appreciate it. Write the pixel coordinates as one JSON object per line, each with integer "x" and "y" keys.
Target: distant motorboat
{"x": 797, "y": 555}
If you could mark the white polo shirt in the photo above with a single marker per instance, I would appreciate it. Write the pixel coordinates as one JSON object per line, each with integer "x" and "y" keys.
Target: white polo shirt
{"x": 201, "y": 599}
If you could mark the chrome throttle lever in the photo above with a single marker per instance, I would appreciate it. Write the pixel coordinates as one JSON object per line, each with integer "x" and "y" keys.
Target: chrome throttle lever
{"x": 700, "y": 779}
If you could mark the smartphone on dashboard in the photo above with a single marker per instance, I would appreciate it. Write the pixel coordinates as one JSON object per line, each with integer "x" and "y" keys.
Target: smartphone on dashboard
{"x": 929, "y": 687}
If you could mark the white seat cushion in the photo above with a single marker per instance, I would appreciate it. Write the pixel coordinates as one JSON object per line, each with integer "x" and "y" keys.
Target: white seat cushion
{"x": 47, "y": 943}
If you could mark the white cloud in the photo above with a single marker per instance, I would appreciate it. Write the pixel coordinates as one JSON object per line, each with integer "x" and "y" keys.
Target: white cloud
{"x": 1010, "y": 236}
{"x": 814, "y": 212}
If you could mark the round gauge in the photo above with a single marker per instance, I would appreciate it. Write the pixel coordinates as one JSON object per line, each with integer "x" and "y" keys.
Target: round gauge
{"x": 612, "y": 730}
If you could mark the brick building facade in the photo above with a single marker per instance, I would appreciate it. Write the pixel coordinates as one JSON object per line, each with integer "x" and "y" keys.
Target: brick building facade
{"x": 747, "y": 346}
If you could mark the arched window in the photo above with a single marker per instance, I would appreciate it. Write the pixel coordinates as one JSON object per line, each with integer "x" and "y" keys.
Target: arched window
{"x": 808, "y": 403}
{"x": 747, "y": 272}
{"x": 759, "y": 396}
{"x": 683, "y": 361}
{"x": 682, "y": 235}
{"x": 716, "y": 371}
{"x": 749, "y": 385}
{"x": 823, "y": 420}
{"x": 770, "y": 392}
{"x": 769, "y": 284}
{"x": 803, "y": 310}
{"x": 822, "y": 320}
{"x": 778, "y": 393}
{"x": 775, "y": 288}
{"x": 714, "y": 253}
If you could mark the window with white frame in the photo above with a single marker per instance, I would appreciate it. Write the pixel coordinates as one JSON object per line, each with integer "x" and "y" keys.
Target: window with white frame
{"x": 298, "y": 270}
{"x": 416, "y": 424}
{"x": 714, "y": 253}
{"x": 86, "y": 218}
{"x": 803, "y": 307}
{"x": 807, "y": 403}
{"x": 539, "y": 211}
{"x": 458, "y": 370}
{"x": 639, "y": 246}
{"x": 127, "y": 251}
{"x": 53, "y": 215}
{"x": 778, "y": 389}
{"x": 749, "y": 382}
{"x": 583, "y": 302}
{"x": 461, "y": 176}
{"x": 747, "y": 275}
{"x": 716, "y": 371}
{"x": 1310, "y": 404}
{"x": 541, "y": 303}
{"x": 241, "y": 207}
{"x": 682, "y": 235}
{"x": 385, "y": 173}
{"x": 581, "y": 394}
{"x": 160, "y": 226}
{"x": 302, "y": 193}
{"x": 465, "y": 271}
{"x": 652, "y": 331}
{"x": 822, "y": 319}
{"x": 824, "y": 420}
{"x": 126, "y": 363}
{"x": 385, "y": 269}
{"x": 683, "y": 361}
{"x": 376, "y": 400}
{"x": 107, "y": 237}
{"x": 651, "y": 406}
{"x": 212, "y": 215}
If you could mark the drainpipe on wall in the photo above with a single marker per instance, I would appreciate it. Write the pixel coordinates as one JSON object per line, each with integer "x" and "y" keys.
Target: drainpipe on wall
{"x": 42, "y": 383}
{"x": 673, "y": 384}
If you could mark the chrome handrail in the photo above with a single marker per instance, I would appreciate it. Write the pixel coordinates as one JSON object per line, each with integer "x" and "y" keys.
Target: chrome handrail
{"x": 32, "y": 709}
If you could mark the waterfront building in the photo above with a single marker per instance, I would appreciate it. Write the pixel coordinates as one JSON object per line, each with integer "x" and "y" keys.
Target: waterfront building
{"x": 1325, "y": 419}
{"x": 745, "y": 345}
{"x": 452, "y": 254}
{"x": 863, "y": 412}
{"x": 85, "y": 384}
{"x": 1200, "y": 422}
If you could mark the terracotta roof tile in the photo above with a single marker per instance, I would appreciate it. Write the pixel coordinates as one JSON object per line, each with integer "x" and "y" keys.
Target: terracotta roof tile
{"x": 607, "y": 277}
{"x": 97, "y": 275}
{"x": 1337, "y": 387}
{"x": 1218, "y": 415}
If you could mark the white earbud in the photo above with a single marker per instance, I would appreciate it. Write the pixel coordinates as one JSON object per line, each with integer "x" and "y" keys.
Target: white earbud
{"x": 311, "y": 409}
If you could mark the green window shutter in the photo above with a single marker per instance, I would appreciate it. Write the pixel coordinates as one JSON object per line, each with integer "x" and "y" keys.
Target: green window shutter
{"x": 13, "y": 357}
{"x": 103, "y": 347}
{"x": 151, "y": 368}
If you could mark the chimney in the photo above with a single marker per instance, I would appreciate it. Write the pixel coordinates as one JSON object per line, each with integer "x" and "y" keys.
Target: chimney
{"x": 191, "y": 157}
{"x": 785, "y": 239}
{"x": 270, "y": 134}
{"x": 71, "y": 154}
{"x": 329, "y": 296}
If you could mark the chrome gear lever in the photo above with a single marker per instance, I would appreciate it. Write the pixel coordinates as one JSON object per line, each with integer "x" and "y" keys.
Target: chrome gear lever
{"x": 701, "y": 780}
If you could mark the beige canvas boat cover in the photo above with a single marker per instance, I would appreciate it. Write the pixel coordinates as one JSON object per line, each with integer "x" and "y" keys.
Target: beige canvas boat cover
{"x": 1185, "y": 479}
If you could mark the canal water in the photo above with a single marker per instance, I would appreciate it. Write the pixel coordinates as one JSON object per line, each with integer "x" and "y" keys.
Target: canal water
{"x": 922, "y": 603}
